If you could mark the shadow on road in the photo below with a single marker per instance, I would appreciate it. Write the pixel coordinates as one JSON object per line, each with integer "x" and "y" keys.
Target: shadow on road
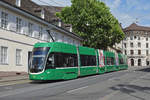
{"x": 45, "y": 82}
{"x": 55, "y": 81}
{"x": 144, "y": 70}
{"x": 130, "y": 89}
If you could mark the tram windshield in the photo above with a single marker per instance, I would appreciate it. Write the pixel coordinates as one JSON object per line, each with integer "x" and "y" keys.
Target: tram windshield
{"x": 38, "y": 59}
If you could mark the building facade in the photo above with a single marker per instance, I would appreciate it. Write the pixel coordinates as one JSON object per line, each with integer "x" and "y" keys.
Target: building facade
{"x": 136, "y": 45}
{"x": 21, "y": 28}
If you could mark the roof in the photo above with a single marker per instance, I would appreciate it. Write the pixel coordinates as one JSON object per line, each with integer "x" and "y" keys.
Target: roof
{"x": 33, "y": 9}
{"x": 135, "y": 27}
{"x": 52, "y": 11}
{"x": 52, "y": 15}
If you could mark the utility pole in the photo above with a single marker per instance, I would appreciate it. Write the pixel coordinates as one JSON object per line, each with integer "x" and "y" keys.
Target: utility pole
{"x": 49, "y": 32}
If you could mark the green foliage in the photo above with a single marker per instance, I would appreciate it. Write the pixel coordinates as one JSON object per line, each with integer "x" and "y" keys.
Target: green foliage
{"x": 93, "y": 21}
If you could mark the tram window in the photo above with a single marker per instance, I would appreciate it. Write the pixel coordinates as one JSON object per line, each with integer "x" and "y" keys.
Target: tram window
{"x": 121, "y": 61}
{"x": 50, "y": 61}
{"x": 88, "y": 60}
{"x": 105, "y": 60}
{"x": 65, "y": 60}
{"x": 56, "y": 60}
{"x": 69, "y": 60}
{"x": 110, "y": 61}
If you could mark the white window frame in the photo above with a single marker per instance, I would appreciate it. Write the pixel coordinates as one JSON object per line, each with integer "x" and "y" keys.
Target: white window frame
{"x": 3, "y": 55}
{"x": 4, "y": 20}
{"x": 18, "y": 57}
{"x": 18, "y": 24}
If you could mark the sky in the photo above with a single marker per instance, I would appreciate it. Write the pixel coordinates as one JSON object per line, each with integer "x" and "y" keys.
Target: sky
{"x": 126, "y": 11}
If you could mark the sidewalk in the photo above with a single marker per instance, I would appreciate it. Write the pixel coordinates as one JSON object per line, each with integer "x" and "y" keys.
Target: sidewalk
{"x": 13, "y": 76}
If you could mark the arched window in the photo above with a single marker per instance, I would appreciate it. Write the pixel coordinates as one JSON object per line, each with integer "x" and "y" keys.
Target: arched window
{"x": 139, "y": 62}
{"x": 132, "y": 62}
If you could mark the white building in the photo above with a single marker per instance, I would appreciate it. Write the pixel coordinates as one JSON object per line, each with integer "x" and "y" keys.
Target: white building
{"x": 136, "y": 45}
{"x": 20, "y": 30}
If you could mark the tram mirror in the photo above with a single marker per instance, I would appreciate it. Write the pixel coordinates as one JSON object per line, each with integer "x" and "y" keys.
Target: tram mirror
{"x": 50, "y": 59}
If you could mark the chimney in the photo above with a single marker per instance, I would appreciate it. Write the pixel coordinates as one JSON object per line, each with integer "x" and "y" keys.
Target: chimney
{"x": 42, "y": 14}
{"x": 59, "y": 23}
{"x": 71, "y": 28}
{"x": 18, "y": 3}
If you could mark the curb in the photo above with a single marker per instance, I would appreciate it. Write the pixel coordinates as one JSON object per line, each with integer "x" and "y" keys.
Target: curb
{"x": 13, "y": 80}
{"x": 2, "y": 80}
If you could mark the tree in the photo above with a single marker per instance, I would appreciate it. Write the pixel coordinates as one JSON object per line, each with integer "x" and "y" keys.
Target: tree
{"x": 92, "y": 20}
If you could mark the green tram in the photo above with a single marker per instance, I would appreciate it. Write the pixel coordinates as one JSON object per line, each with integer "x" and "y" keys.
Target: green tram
{"x": 55, "y": 61}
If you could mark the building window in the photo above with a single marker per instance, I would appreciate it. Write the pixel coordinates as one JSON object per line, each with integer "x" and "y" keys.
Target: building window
{"x": 131, "y": 52}
{"x": 40, "y": 32}
{"x": 146, "y": 45}
{"x": 73, "y": 42}
{"x": 131, "y": 45}
{"x": 134, "y": 37}
{"x": 138, "y": 38}
{"x": 30, "y": 29}
{"x": 18, "y": 56}
{"x": 55, "y": 36}
{"x": 139, "y": 62}
{"x": 131, "y": 37}
{"x": 125, "y": 38}
{"x": 147, "y": 53}
{"x": 125, "y": 45}
{"x": 18, "y": 25}
{"x": 125, "y": 52}
{"x": 139, "y": 44}
{"x": 147, "y": 39}
{"x": 132, "y": 62}
{"x": 63, "y": 38}
{"x": 4, "y": 20}
{"x": 139, "y": 52}
{"x": 3, "y": 55}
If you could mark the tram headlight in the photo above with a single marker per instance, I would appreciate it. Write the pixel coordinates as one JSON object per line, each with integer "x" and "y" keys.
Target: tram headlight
{"x": 48, "y": 72}
{"x": 42, "y": 77}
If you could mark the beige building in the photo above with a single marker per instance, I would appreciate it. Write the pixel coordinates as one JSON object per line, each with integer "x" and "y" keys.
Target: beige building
{"x": 136, "y": 45}
{"x": 21, "y": 28}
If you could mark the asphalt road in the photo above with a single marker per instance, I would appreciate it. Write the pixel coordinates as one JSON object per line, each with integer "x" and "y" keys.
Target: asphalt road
{"x": 109, "y": 86}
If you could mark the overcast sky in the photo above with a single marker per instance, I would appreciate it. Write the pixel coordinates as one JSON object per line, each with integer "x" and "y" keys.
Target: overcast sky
{"x": 126, "y": 11}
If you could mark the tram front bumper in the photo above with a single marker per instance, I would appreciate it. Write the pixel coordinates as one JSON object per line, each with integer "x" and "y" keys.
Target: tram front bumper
{"x": 37, "y": 77}
{"x": 41, "y": 76}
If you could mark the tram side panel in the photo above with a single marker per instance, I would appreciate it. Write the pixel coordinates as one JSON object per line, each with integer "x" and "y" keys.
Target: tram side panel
{"x": 87, "y": 61}
{"x": 66, "y": 67}
{"x": 109, "y": 61}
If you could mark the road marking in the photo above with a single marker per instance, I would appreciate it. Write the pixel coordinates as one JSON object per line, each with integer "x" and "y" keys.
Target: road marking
{"x": 77, "y": 89}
